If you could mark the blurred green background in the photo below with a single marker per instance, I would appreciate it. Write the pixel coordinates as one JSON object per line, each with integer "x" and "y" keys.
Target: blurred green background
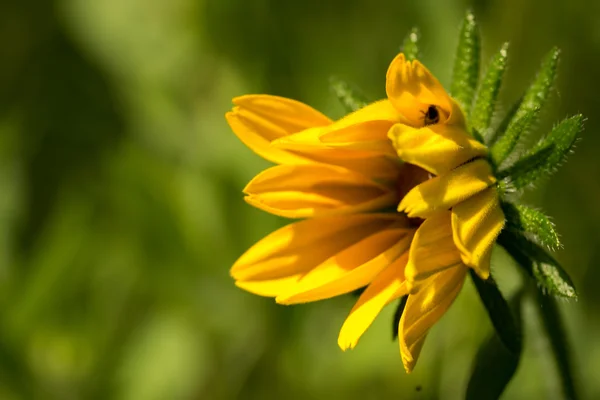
{"x": 121, "y": 207}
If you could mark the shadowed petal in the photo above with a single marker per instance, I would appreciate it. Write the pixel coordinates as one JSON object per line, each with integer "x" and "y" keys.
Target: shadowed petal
{"x": 476, "y": 223}
{"x": 424, "y": 309}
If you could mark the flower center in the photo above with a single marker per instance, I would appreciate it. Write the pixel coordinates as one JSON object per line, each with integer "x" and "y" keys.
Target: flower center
{"x": 410, "y": 176}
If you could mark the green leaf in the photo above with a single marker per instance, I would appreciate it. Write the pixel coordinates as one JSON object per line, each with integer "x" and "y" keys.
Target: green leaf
{"x": 498, "y": 310}
{"x": 555, "y": 330}
{"x": 487, "y": 93}
{"x": 523, "y": 167}
{"x": 494, "y": 364}
{"x": 548, "y": 273}
{"x": 512, "y": 111}
{"x": 538, "y": 93}
{"x": 561, "y": 140}
{"x": 563, "y": 136}
{"x": 533, "y": 100}
{"x": 410, "y": 46}
{"x": 466, "y": 65}
{"x": 533, "y": 223}
{"x": 478, "y": 136}
{"x": 398, "y": 315}
{"x": 350, "y": 97}
{"x": 515, "y": 130}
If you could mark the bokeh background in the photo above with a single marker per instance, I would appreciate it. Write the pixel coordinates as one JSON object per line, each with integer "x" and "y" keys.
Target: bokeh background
{"x": 121, "y": 208}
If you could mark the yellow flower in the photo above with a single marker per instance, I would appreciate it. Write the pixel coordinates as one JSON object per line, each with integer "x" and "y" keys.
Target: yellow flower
{"x": 411, "y": 148}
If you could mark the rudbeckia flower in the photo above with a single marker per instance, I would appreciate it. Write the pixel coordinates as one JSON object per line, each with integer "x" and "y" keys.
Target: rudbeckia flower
{"x": 398, "y": 198}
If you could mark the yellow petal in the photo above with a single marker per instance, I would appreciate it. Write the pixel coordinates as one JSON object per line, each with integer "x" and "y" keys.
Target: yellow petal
{"x": 424, "y": 309}
{"x": 369, "y": 136}
{"x": 375, "y": 165}
{"x": 435, "y": 148}
{"x": 457, "y": 117}
{"x": 259, "y": 119}
{"x": 386, "y": 287}
{"x": 290, "y": 115}
{"x": 280, "y": 259}
{"x": 382, "y": 110}
{"x": 253, "y": 132}
{"x": 476, "y": 223}
{"x": 432, "y": 250}
{"x": 310, "y": 190}
{"x": 412, "y": 89}
{"x": 257, "y": 132}
{"x": 366, "y": 126}
{"x": 379, "y": 168}
{"x": 350, "y": 269}
{"x": 447, "y": 190}
{"x": 269, "y": 287}
{"x": 302, "y": 141}
{"x": 357, "y": 142}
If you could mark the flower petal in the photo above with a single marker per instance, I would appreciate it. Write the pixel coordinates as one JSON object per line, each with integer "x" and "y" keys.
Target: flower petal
{"x": 374, "y": 165}
{"x": 259, "y": 119}
{"x": 290, "y": 115}
{"x": 285, "y": 255}
{"x": 432, "y": 250}
{"x": 476, "y": 223}
{"x": 380, "y": 168}
{"x": 310, "y": 190}
{"x": 350, "y": 269}
{"x": 412, "y": 89}
{"x": 424, "y": 309}
{"x": 269, "y": 287}
{"x": 382, "y": 110}
{"x": 367, "y": 125}
{"x": 386, "y": 287}
{"x": 445, "y": 191}
{"x": 435, "y": 148}
{"x": 253, "y": 131}
{"x": 357, "y": 142}
{"x": 371, "y": 136}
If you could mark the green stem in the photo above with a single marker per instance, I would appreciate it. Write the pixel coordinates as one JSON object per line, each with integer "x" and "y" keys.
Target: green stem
{"x": 554, "y": 327}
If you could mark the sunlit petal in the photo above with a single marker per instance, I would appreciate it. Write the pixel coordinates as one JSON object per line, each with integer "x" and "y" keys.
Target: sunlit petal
{"x": 445, "y": 191}
{"x": 412, "y": 89}
{"x": 291, "y": 115}
{"x": 386, "y": 287}
{"x": 424, "y": 309}
{"x": 435, "y": 148}
{"x": 259, "y": 119}
{"x": 311, "y": 190}
{"x": 476, "y": 223}
{"x": 365, "y": 130}
{"x": 288, "y": 253}
{"x": 369, "y": 136}
{"x": 350, "y": 269}
{"x": 432, "y": 250}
